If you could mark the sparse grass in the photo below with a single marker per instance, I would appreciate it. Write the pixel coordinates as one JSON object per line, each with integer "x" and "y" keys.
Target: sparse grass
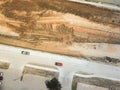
{"x": 39, "y": 72}
{"x": 74, "y": 86}
{"x": 100, "y": 82}
{"x": 4, "y": 65}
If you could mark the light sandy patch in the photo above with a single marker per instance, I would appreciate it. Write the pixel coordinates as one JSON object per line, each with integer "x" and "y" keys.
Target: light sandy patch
{"x": 19, "y": 13}
{"x": 82, "y": 22}
{"x": 3, "y": 1}
{"x": 4, "y": 20}
{"x": 97, "y": 49}
{"x": 7, "y": 31}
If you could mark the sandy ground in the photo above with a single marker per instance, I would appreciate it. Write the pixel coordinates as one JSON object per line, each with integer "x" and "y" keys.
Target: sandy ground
{"x": 46, "y": 26}
{"x": 79, "y": 30}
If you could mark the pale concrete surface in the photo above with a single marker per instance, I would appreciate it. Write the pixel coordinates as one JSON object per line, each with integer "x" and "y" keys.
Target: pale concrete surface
{"x": 70, "y": 66}
{"x": 32, "y": 82}
{"x": 115, "y": 2}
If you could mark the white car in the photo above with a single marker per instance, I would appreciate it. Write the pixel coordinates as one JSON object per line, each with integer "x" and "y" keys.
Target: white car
{"x": 25, "y": 52}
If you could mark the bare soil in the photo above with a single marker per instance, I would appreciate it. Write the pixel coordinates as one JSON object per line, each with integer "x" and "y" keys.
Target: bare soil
{"x": 4, "y": 65}
{"x": 39, "y": 72}
{"x": 45, "y": 25}
{"x": 101, "y": 82}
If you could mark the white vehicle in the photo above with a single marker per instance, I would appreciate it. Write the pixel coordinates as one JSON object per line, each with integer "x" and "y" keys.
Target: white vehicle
{"x": 25, "y": 52}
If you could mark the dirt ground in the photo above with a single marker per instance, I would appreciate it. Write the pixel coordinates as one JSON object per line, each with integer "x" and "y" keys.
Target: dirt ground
{"x": 39, "y": 72}
{"x": 4, "y": 65}
{"x": 45, "y": 25}
{"x": 101, "y": 82}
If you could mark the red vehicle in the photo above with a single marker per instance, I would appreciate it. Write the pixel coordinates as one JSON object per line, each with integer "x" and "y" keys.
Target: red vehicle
{"x": 58, "y": 64}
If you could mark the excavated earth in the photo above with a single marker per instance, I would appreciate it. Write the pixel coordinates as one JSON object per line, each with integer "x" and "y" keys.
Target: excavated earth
{"x": 54, "y": 25}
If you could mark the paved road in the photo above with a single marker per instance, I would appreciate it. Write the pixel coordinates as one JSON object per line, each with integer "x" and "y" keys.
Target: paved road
{"x": 70, "y": 66}
{"x": 111, "y": 4}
